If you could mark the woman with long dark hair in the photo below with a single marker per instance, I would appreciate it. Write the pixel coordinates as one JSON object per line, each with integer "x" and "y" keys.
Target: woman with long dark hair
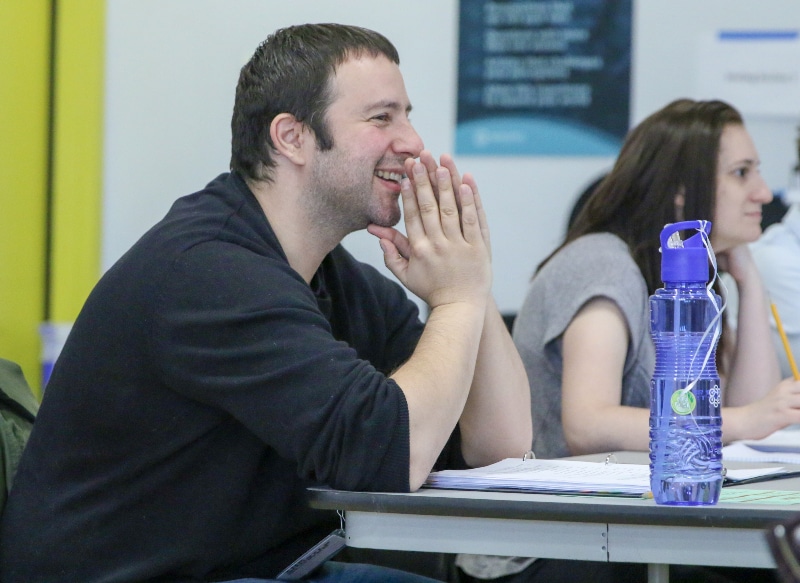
{"x": 583, "y": 330}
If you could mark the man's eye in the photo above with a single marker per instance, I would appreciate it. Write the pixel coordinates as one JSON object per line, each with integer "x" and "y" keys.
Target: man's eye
{"x": 382, "y": 117}
{"x": 741, "y": 172}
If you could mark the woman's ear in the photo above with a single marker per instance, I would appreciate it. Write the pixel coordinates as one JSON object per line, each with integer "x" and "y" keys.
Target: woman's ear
{"x": 680, "y": 202}
{"x": 288, "y": 137}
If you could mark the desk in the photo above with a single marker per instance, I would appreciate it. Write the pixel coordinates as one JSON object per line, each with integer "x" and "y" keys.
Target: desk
{"x": 576, "y": 527}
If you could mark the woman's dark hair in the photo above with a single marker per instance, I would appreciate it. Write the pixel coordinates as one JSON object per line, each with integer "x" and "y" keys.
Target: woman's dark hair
{"x": 580, "y": 202}
{"x": 291, "y": 72}
{"x": 674, "y": 151}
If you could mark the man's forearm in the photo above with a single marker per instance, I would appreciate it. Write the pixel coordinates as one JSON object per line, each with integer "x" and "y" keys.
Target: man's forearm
{"x": 496, "y": 422}
{"x": 436, "y": 381}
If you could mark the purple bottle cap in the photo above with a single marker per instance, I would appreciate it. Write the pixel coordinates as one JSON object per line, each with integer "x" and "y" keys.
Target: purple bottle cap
{"x": 684, "y": 261}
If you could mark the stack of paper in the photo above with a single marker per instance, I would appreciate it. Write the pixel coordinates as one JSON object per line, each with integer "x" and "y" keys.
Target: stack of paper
{"x": 780, "y": 447}
{"x": 567, "y": 476}
{"x": 574, "y": 477}
{"x": 747, "y": 476}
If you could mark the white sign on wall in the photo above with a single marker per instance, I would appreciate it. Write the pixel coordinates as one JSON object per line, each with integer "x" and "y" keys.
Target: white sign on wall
{"x": 757, "y": 71}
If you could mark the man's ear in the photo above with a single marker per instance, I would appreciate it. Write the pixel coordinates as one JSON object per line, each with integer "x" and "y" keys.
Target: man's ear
{"x": 289, "y": 137}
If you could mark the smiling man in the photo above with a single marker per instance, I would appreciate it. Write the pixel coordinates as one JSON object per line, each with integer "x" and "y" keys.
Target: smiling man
{"x": 238, "y": 354}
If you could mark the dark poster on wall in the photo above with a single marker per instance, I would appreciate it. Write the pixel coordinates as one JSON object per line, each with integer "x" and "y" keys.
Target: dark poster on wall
{"x": 547, "y": 78}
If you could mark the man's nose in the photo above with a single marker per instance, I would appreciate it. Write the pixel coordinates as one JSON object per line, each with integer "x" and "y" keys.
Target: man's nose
{"x": 408, "y": 143}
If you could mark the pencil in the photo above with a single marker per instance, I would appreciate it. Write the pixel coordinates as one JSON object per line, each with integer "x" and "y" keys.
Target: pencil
{"x": 785, "y": 341}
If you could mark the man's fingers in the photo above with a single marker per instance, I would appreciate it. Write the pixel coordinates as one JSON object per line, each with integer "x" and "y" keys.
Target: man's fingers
{"x": 411, "y": 212}
{"x": 393, "y": 236}
{"x": 426, "y": 203}
{"x": 393, "y": 260}
{"x": 470, "y": 181}
{"x": 433, "y": 199}
{"x": 448, "y": 207}
{"x": 408, "y": 164}
{"x": 448, "y": 162}
{"x": 427, "y": 160}
{"x": 470, "y": 223}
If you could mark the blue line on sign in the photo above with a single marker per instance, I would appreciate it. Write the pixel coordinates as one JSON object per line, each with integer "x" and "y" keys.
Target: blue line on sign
{"x": 758, "y": 35}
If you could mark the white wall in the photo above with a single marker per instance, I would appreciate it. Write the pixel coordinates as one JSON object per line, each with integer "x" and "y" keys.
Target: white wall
{"x": 172, "y": 67}
{"x": 666, "y": 38}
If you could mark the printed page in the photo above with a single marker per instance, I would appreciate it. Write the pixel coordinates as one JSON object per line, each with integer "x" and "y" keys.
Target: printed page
{"x": 548, "y": 475}
{"x": 782, "y": 447}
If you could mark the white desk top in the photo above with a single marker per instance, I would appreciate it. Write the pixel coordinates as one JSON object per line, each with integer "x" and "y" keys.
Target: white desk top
{"x": 572, "y": 527}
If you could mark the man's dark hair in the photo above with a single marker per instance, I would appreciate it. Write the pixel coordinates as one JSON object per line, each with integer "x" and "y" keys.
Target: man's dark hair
{"x": 291, "y": 72}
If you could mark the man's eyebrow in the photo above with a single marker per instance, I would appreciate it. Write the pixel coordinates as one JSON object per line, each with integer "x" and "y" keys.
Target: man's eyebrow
{"x": 389, "y": 104}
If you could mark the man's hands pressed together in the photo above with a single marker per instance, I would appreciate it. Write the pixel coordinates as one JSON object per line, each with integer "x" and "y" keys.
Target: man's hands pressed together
{"x": 465, "y": 369}
{"x": 445, "y": 257}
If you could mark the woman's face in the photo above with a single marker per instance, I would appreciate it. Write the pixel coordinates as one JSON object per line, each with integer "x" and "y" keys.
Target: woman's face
{"x": 740, "y": 191}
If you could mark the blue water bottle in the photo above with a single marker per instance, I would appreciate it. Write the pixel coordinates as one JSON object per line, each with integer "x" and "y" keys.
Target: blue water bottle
{"x": 685, "y": 421}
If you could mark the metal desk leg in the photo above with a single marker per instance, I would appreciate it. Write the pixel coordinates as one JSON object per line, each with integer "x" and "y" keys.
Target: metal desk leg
{"x": 657, "y": 573}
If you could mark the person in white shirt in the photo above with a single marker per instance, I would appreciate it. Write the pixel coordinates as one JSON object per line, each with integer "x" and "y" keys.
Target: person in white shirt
{"x": 777, "y": 254}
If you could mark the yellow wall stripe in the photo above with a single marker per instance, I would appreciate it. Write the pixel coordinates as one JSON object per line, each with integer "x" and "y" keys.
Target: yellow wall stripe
{"x": 77, "y": 177}
{"x": 24, "y": 91}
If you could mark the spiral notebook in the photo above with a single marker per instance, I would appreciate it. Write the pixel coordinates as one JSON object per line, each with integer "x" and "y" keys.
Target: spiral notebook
{"x": 741, "y": 451}
{"x": 572, "y": 477}
{"x": 781, "y": 447}
{"x": 549, "y": 476}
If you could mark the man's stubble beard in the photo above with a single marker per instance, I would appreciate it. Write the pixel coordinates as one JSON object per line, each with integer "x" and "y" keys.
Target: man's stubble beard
{"x": 342, "y": 201}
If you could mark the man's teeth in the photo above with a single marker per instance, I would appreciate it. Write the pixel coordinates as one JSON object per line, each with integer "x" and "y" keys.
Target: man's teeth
{"x": 396, "y": 177}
